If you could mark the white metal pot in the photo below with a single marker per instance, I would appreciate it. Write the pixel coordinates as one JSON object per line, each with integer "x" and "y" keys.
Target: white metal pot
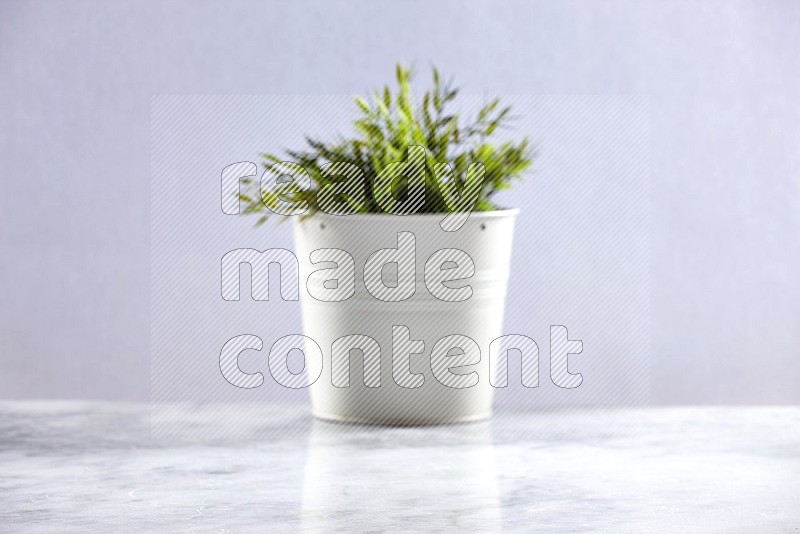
{"x": 486, "y": 237}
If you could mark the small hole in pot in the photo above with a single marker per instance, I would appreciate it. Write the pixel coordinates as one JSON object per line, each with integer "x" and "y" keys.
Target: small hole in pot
{"x": 483, "y": 226}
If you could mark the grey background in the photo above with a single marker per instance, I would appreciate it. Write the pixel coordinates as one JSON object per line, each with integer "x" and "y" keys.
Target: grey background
{"x": 722, "y": 77}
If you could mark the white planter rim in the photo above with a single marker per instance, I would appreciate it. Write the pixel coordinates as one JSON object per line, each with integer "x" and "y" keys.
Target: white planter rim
{"x": 510, "y": 212}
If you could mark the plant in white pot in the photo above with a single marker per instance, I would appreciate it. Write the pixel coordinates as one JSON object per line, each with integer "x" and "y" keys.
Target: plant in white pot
{"x": 409, "y": 256}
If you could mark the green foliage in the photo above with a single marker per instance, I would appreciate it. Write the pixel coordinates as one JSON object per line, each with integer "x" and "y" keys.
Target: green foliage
{"x": 390, "y": 122}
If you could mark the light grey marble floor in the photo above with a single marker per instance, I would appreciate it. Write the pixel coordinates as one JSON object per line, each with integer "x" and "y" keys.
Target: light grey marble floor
{"x": 93, "y": 467}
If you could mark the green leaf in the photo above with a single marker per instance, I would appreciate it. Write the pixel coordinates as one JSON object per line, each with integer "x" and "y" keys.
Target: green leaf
{"x": 362, "y": 104}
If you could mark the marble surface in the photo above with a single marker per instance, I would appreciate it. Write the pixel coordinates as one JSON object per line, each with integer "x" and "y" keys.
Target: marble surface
{"x": 95, "y": 467}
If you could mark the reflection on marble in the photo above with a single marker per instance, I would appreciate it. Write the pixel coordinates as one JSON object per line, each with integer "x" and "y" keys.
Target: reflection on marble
{"x": 84, "y": 467}
{"x": 452, "y": 486}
